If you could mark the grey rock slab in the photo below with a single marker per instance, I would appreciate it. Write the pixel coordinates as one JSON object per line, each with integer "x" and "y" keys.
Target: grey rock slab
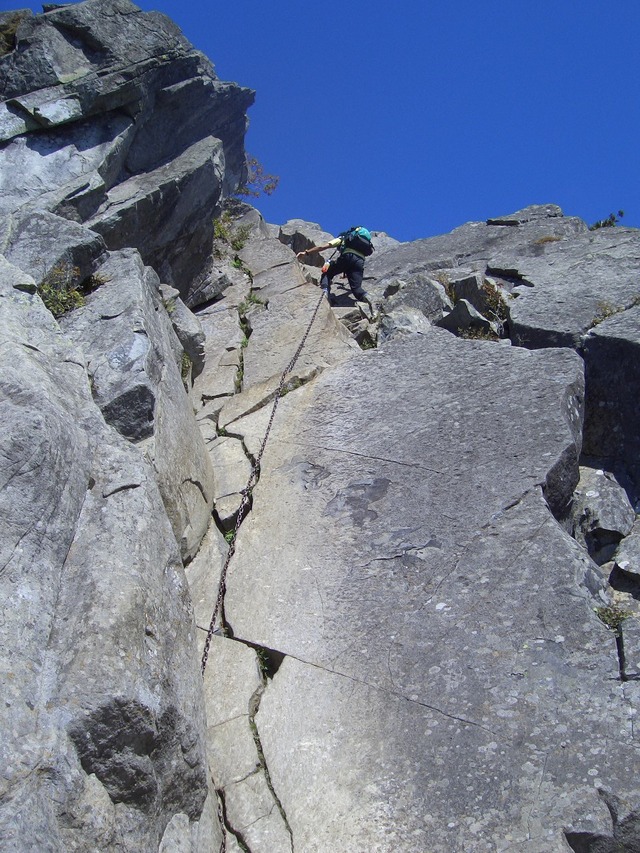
{"x": 217, "y": 384}
{"x": 203, "y": 575}
{"x": 255, "y": 398}
{"x": 471, "y": 245}
{"x": 49, "y": 247}
{"x": 134, "y": 363}
{"x": 232, "y": 470}
{"x": 401, "y": 321}
{"x": 187, "y": 327}
{"x": 417, "y": 291}
{"x": 219, "y": 278}
{"x": 157, "y": 211}
{"x": 325, "y": 461}
{"x": 55, "y": 168}
{"x": 222, "y": 348}
{"x": 252, "y": 813}
{"x": 413, "y": 772}
{"x": 278, "y": 330}
{"x": 300, "y": 235}
{"x": 601, "y": 512}
{"x": 232, "y": 683}
{"x": 383, "y": 241}
{"x": 413, "y": 560}
{"x": 612, "y": 373}
{"x": 532, "y": 213}
{"x": 265, "y": 254}
{"x": 570, "y": 285}
{"x": 277, "y": 280}
{"x": 97, "y": 628}
{"x": 130, "y": 673}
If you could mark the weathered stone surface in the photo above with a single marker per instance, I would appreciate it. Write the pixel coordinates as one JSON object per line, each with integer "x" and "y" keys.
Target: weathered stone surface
{"x": 300, "y": 235}
{"x": 567, "y": 286}
{"x": 222, "y": 346}
{"x": 432, "y": 673}
{"x": 383, "y": 241}
{"x": 533, "y": 213}
{"x": 473, "y": 245}
{"x": 131, "y": 181}
{"x": 172, "y": 201}
{"x": 283, "y": 319}
{"x": 233, "y": 686}
{"x": 203, "y": 575}
{"x": 231, "y": 469}
{"x": 396, "y": 622}
{"x": 601, "y": 513}
{"x": 101, "y": 688}
{"x": 47, "y": 246}
{"x": 134, "y": 364}
{"x": 265, "y": 255}
{"x": 463, "y": 316}
{"x": 187, "y": 327}
{"x": 403, "y": 320}
{"x": 417, "y": 291}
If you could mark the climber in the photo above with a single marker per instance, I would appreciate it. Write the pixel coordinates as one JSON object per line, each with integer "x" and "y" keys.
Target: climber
{"x": 353, "y": 246}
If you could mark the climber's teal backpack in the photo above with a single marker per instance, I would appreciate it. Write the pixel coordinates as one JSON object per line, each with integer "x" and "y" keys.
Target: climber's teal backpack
{"x": 358, "y": 239}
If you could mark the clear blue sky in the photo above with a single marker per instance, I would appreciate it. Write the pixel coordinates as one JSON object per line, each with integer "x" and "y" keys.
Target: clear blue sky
{"x": 414, "y": 117}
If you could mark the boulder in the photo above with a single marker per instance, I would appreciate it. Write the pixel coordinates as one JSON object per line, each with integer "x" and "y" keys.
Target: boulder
{"x": 134, "y": 360}
{"x": 417, "y": 291}
{"x": 301, "y": 235}
{"x": 51, "y": 249}
{"x": 464, "y": 317}
{"x": 401, "y": 321}
{"x": 601, "y": 513}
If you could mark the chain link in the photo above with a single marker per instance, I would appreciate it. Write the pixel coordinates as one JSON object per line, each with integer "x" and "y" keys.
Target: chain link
{"x": 246, "y": 492}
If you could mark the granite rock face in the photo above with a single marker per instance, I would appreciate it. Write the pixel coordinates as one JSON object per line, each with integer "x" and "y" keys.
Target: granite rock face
{"x": 134, "y": 366}
{"x": 427, "y": 633}
{"x": 102, "y": 728}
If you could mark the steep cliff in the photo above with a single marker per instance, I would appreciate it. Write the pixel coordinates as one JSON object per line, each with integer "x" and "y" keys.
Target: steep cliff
{"x": 416, "y": 526}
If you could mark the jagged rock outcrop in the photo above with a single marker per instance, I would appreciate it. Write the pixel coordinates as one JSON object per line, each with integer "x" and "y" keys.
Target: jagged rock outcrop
{"x": 102, "y": 728}
{"x": 92, "y": 87}
{"x": 427, "y": 634}
{"x": 106, "y": 482}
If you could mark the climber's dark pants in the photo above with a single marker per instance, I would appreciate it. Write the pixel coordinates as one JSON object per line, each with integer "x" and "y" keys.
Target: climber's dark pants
{"x": 353, "y": 267}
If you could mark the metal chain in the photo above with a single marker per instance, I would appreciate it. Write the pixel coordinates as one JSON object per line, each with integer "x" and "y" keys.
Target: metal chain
{"x": 246, "y": 492}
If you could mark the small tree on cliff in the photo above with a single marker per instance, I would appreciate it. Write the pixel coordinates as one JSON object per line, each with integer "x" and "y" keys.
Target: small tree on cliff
{"x": 258, "y": 181}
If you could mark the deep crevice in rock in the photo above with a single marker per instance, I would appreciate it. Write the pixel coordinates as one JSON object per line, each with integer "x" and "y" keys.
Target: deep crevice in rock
{"x": 254, "y": 707}
{"x": 226, "y": 827}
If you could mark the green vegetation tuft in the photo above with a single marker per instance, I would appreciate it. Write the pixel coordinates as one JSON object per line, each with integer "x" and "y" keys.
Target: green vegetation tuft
{"x": 60, "y": 289}
{"x": 612, "y": 615}
{"x": 494, "y": 301}
{"x": 475, "y": 333}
